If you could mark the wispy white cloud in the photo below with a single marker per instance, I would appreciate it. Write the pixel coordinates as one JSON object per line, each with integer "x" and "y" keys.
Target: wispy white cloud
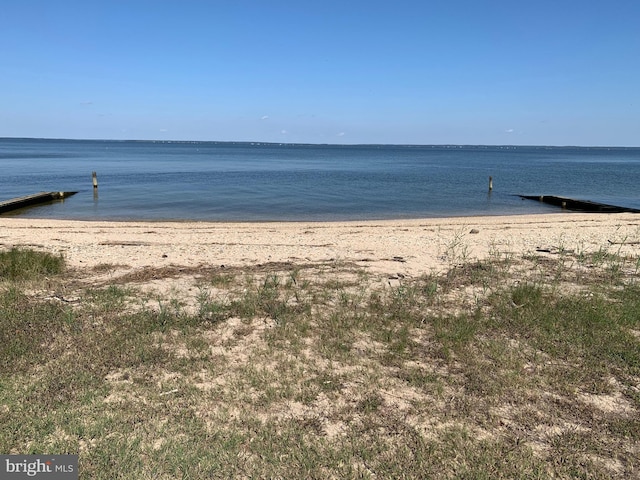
{"x": 509, "y": 130}
{"x": 341, "y": 134}
{"x": 264, "y": 117}
{"x": 284, "y": 132}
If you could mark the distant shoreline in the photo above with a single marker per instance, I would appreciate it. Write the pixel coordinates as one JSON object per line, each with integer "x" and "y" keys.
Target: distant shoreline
{"x": 338, "y": 145}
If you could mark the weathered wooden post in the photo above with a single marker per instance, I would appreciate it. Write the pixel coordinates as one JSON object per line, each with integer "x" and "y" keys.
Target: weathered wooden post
{"x": 490, "y": 183}
{"x": 94, "y": 176}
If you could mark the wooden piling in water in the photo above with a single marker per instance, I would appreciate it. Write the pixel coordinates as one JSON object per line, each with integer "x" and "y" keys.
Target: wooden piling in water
{"x": 490, "y": 183}
{"x": 94, "y": 176}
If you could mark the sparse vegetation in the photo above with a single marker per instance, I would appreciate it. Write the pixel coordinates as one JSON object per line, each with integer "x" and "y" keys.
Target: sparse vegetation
{"x": 501, "y": 368}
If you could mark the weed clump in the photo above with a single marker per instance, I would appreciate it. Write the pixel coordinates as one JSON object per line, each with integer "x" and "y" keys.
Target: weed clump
{"x": 25, "y": 264}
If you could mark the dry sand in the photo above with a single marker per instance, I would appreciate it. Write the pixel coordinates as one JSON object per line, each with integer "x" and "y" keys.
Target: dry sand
{"x": 407, "y": 247}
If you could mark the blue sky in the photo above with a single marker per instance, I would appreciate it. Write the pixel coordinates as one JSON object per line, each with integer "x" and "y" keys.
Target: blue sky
{"x": 559, "y": 72}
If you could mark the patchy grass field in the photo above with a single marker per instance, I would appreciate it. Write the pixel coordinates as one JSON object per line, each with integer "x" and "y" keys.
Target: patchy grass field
{"x": 505, "y": 368}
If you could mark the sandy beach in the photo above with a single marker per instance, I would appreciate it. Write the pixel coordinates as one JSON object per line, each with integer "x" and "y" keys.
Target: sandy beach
{"x": 408, "y": 247}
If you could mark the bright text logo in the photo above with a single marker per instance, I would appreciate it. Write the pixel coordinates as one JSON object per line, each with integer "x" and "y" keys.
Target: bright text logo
{"x": 49, "y": 467}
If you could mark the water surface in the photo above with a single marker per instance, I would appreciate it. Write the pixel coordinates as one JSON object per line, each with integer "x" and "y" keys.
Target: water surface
{"x": 268, "y": 182}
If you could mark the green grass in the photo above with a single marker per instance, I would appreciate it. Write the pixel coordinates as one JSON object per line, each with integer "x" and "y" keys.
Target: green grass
{"x": 28, "y": 328}
{"x": 24, "y": 264}
{"x": 497, "y": 369}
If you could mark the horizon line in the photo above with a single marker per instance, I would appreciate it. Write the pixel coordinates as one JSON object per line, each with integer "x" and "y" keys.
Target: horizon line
{"x": 259, "y": 142}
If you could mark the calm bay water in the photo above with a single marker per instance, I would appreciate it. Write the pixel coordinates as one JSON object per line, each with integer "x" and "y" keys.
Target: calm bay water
{"x": 244, "y": 181}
